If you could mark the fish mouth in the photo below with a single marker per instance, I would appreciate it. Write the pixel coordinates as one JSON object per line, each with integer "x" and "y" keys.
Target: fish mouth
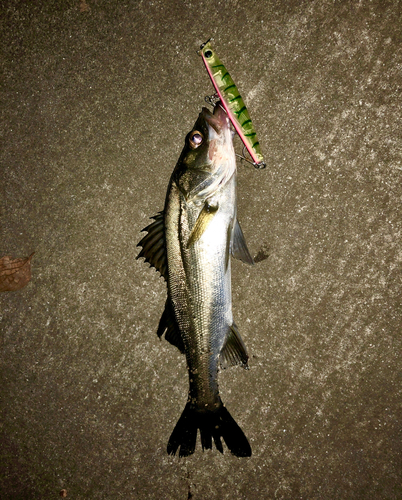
{"x": 218, "y": 120}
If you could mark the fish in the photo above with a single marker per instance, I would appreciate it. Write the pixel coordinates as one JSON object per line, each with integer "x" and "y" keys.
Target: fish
{"x": 191, "y": 243}
{"x": 233, "y": 102}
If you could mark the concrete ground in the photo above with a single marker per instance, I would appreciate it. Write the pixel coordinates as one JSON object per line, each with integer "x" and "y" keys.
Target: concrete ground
{"x": 97, "y": 98}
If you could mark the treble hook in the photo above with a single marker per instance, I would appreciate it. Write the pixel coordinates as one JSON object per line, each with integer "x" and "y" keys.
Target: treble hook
{"x": 212, "y": 99}
{"x": 256, "y": 165}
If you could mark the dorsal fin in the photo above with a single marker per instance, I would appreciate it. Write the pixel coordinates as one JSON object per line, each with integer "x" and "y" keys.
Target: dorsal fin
{"x": 234, "y": 351}
{"x": 168, "y": 324}
{"x": 239, "y": 245}
{"x": 154, "y": 245}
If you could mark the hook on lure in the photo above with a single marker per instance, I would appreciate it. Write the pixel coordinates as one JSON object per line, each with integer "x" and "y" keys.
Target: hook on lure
{"x": 213, "y": 100}
{"x": 228, "y": 94}
{"x": 243, "y": 157}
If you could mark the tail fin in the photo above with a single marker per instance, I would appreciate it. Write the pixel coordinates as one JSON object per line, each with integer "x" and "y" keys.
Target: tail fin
{"x": 213, "y": 425}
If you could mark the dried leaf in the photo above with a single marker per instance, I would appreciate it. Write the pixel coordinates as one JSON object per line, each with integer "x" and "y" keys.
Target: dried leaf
{"x": 84, "y": 7}
{"x": 63, "y": 493}
{"x": 14, "y": 273}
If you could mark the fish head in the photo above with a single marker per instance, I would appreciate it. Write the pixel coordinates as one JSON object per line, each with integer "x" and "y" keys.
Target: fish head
{"x": 208, "y": 159}
{"x": 208, "y": 141}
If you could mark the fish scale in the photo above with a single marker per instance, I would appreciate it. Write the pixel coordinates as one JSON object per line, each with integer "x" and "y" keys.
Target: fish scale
{"x": 204, "y": 263}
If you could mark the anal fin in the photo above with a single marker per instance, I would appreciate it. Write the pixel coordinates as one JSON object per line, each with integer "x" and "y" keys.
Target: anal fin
{"x": 234, "y": 351}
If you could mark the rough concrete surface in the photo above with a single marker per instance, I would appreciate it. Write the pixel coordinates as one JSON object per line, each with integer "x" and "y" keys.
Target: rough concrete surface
{"x": 97, "y": 98}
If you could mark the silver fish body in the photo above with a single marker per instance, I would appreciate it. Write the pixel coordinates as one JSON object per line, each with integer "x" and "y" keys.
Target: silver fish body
{"x": 195, "y": 236}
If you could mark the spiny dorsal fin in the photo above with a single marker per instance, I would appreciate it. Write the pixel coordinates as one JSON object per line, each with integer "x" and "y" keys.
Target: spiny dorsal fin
{"x": 206, "y": 215}
{"x": 239, "y": 245}
{"x": 234, "y": 351}
{"x": 168, "y": 324}
{"x": 154, "y": 245}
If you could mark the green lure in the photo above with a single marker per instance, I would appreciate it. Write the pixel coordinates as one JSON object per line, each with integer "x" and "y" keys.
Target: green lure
{"x": 232, "y": 102}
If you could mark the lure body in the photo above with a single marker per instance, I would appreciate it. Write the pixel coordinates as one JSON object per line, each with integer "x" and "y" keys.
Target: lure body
{"x": 232, "y": 102}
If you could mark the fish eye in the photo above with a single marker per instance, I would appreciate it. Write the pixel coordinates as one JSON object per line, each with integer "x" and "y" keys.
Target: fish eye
{"x": 208, "y": 54}
{"x": 196, "y": 139}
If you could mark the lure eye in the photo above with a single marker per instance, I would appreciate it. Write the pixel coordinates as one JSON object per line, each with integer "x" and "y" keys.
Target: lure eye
{"x": 196, "y": 139}
{"x": 208, "y": 54}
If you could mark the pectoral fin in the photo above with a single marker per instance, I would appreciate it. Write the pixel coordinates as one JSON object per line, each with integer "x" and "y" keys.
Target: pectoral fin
{"x": 234, "y": 351}
{"x": 239, "y": 245}
{"x": 204, "y": 218}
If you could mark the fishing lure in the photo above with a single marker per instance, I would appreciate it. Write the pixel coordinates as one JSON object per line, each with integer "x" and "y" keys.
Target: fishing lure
{"x": 232, "y": 102}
